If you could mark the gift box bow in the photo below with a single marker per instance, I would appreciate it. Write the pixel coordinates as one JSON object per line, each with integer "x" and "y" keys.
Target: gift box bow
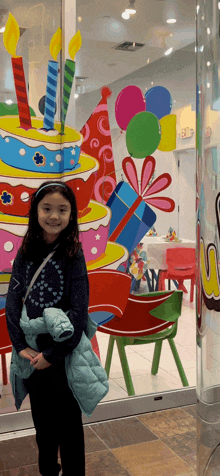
{"x": 144, "y": 191}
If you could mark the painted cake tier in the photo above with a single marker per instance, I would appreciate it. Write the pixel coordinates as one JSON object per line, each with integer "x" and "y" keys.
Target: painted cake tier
{"x": 114, "y": 256}
{"x": 12, "y": 230}
{"x": 4, "y": 283}
{"x": 35, "y": 150}
{"x": 93, "y": 227}
{"x": 17, "y": 186}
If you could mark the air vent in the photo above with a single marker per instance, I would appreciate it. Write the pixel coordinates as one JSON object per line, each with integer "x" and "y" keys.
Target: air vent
{"x": 129, "y": 46}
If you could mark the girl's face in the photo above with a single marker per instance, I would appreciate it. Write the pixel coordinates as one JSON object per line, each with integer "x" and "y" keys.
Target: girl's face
{"x": 54, "y": 214}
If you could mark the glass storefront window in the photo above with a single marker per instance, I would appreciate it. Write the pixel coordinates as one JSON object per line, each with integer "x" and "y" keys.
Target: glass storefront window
{"x": 102, "y": 71}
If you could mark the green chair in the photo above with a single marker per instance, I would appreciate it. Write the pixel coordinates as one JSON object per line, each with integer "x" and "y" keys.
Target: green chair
{"x": 147, "y": 318}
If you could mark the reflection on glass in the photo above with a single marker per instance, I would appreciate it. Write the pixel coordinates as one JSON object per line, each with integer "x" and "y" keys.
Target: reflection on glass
{"x": 208, "y": 236}
{"x": 25, "y": 37}
{"x": 111, "y": 101}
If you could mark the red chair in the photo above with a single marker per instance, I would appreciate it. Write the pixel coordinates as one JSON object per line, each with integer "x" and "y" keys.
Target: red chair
{"x": 5, "y": 345}
{"x": 181, "y": 263}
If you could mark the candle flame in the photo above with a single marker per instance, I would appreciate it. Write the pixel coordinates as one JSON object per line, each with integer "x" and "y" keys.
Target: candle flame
{"x": 56, "y": 44}
{"x": 75, "y": 44}
{"x": 11, "y": 35}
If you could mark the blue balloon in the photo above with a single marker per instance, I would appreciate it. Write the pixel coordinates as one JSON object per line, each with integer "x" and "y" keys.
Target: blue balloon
{"x": 158, "y": 101}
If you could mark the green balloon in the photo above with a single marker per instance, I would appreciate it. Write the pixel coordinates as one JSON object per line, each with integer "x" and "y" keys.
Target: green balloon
{"x": 143, "y": 135}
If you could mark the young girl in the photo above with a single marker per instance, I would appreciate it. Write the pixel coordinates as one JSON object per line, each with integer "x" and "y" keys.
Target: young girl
{"x": 63, "y": 284}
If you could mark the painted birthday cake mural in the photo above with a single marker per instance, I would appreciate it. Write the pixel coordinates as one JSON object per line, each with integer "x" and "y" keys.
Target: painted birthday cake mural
{"x": 34, "y": 150}
{"x": 113, "y": 218}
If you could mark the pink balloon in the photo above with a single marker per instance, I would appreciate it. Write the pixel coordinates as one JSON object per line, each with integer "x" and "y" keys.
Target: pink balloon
{"x": 129, "y": 102}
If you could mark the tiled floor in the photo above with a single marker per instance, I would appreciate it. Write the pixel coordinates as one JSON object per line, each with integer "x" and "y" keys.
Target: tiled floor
{"x": 153, "y": 444}
{"x": 140, "y": 360}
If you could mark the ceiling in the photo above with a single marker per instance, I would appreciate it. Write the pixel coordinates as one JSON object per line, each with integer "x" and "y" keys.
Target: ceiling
{"x": 102, "y": 28}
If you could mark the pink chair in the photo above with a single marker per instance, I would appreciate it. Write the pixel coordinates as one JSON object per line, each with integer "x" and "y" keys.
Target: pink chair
{"x": 181, "y": 263}
{"x": 5, "y": 345}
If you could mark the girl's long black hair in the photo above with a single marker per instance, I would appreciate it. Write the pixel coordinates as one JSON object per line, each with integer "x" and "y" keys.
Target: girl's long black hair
{"x": 34, "y": 235}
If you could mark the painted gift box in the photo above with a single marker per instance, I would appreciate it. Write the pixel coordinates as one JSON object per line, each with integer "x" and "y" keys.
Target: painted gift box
{"x": 130, "y": 233}
{"x": 131, "y": 215}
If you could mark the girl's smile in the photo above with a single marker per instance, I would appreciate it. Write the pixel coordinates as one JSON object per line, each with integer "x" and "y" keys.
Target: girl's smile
{"x": 54, "y": 214}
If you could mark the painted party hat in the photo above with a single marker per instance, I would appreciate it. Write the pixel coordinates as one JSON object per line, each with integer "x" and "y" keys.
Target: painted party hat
{"x": 97, "y": 143}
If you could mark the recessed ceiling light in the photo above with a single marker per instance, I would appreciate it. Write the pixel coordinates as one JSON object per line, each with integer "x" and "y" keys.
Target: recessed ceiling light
{"x": 125, "y": 15}
{"x": 2, "y": 29}
{"x": 171, "y": 20}
{"x": 208, "y": 63}
{"x": 171, "y": 34}
{"x": 208, "y": 85}
{"x": 131, "y": 9}
{"x": 168, "y": 51}
{"x": 152, "y": 83}
{"x": 79, "y": 19}
{"x": 148, "y": 61}
{"x": 76, "y": 95}
{"x": 208, "y": 31}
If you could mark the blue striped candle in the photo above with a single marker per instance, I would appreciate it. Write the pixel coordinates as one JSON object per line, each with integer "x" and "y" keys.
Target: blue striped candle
{"x": 51, "y": 91}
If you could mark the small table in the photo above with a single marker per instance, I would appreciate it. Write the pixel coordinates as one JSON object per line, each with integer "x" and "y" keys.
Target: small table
{"x": 155, "y": 247}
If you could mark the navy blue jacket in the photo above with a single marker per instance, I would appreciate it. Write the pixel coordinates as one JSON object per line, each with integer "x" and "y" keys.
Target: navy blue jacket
{"x": 63, "y": 283}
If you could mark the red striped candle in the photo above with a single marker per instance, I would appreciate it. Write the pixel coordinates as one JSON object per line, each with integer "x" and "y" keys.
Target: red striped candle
{"x": 21, "y": 93}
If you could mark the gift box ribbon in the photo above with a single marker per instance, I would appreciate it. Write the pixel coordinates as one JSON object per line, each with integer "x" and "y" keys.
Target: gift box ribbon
{"x": 160, "y": 183}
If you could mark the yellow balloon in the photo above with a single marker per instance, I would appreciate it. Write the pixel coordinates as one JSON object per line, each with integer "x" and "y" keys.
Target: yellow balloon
{"x": 168, "y": 133}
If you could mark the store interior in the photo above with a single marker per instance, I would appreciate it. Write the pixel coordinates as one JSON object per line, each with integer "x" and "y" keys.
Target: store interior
{"x": 99, "y": 64}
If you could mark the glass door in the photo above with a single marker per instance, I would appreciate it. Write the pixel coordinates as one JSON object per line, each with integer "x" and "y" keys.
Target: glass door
{"x": 118, "y": 82}
{"x": 30, "y": 94}
{"x": 133, "y": 101}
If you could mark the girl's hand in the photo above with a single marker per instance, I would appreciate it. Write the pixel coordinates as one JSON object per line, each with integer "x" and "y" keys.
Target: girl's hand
{"x": 39, "y": 362}
{"x": 28, "y": 353}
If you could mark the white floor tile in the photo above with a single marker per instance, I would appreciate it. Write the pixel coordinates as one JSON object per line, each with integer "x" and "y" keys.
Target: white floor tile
{"x": 115, "y": 391}
{"x": 152, "y": 383}
{"x": 190, "y": 375}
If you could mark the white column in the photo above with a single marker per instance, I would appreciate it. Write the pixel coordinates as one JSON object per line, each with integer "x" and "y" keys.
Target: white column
{"x": 69, "y": 30}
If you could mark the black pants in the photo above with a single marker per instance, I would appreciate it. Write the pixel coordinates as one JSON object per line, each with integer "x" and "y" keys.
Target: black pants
{"x": 58, "y": 422}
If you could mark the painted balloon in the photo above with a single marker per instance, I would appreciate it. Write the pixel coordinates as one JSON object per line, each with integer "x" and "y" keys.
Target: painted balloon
{"x": 129, "y": 102}
{"x": 158, "y": 101}
{"x": 143, "y": 135}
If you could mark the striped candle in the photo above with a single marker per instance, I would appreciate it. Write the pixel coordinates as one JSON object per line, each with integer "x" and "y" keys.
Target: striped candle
{"x": 69, "y": 72}
{"x": 21, "y": 93}
{"x": 51, "y": 90}
{"x": 11, "y": 37}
